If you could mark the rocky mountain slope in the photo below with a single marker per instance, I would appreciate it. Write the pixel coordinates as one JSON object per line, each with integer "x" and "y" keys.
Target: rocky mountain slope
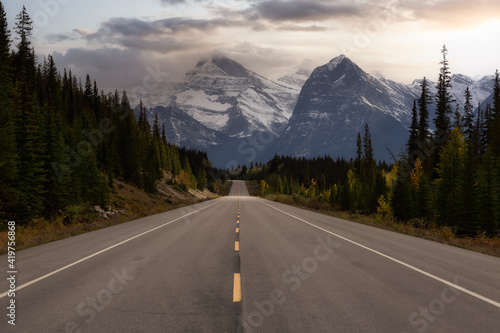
{"x": 334, "y": 105}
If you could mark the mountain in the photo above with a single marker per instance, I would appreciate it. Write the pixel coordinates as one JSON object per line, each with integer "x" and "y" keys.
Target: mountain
{"x": 335, "y": 103}
{"x": 296, "y": 79}
{"x": 481, "y": 88}
{"x": 224, "y": 96}
{"x": 225, "y": 109}
{"x": 238, "y": 116}
{"x": 177, "y": 122}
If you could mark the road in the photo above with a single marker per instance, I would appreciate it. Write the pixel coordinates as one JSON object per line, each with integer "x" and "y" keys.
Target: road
{"x": 245, "y": 264}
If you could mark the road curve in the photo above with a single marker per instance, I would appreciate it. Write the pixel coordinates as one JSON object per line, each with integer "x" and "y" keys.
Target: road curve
{"x": 298, "y": 271}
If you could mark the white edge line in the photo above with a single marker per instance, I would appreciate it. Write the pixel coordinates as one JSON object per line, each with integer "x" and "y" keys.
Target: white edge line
{"x": 453, "y": 285}
{"x": 102, "y": 251}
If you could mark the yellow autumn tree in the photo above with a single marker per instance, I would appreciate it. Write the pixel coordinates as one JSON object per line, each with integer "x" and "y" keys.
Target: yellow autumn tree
{"x": 416, "y": 173}
{"x": 184, "y": 179}
{"x": 384, "y": 211}
{"x": 263, "y": 188}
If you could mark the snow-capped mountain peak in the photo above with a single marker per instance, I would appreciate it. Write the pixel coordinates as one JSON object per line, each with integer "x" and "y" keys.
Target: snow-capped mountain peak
{"x": 219, "y": 64}
{"x": 336, "y": 102}
{"x": 336, "y": 61}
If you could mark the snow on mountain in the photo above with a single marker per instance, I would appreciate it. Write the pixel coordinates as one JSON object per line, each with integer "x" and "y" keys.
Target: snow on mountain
{"x": 294, "y": 80}
{"x": 224, "y": 96}
{"x": 183, "y": 130}
{"x": 220, "y": 106}
{"x": 300, "y": 76}
{"x": 227, "y": 110}
{"x": 480, "y": 88}
{"x": 334, "y": 105}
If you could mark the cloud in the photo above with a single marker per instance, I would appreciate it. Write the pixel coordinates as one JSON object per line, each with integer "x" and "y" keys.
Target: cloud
{"x": 57, "y": 38}
{"x": 306, "y": 10}
{"x": 179, "y": 2}
{"x": 313, "y": 28}
{"x": 164, "y": 36}
{"x": 124, "y": 69}
{"x": 172, "y": 2}
{"x": 259, "y": 58}
{"x": 111, "y": 67}
{"x": 450, "y": 14}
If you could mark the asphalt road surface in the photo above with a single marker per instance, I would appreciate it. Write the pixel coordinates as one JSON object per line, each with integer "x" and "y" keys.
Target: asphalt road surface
{"x": 243, "y": 264}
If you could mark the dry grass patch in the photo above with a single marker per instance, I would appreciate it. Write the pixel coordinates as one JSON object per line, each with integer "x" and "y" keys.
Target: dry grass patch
{"x": 75, "y": 220}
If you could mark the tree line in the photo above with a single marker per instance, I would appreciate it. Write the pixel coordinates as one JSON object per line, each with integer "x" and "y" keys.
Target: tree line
{"x": 448, "y": 174}
{"x": 62, "y": 141}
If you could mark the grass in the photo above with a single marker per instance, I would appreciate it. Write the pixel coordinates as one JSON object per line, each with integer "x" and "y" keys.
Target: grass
{"x": 79, "y": 219}
{"x": 417, "y": 227}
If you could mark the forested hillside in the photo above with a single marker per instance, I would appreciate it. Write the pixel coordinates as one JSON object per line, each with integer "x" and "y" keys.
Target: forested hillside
{"x": 449, "y": 174}
{"x": 62, "y": 141}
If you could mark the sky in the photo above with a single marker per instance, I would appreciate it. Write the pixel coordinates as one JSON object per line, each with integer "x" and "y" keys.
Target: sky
{"x": 123, "y": 43}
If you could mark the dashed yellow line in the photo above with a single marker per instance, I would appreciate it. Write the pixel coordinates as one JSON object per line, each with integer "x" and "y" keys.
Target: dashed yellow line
{"x": 237, "y": 288}
{"x": 237, "y": 276}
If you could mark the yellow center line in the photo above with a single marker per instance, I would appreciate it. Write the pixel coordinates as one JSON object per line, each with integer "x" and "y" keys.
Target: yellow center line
{"x": 238, "y": 221}
{"x": 237, "y": 288}
{"x": 237, "y": 230}
{"x": 236, "y": 246}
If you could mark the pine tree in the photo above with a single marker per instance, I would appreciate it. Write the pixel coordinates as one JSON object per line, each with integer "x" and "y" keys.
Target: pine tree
{"x": 27, "y": 123}
{"x": 449, "y": 191}
{"x": 412, "y": 145}
{"x": 359, "y": 154}
{"x": 423, "y": 123}
{"x": 5, "y": 79}
{"x": 494, "y": 131}
{"x": 457, "y": 118}
{"x": 345, "y": 197}
{"x": 368, "y": 161}
{"x": 443, "y": 105}
{"x": 321, "y": 183}
{"x": 201, "y": 180}
{"x": 468, "y": 116}
{"x": 55, "y": 185}
{"x": 128, "y": 146}
{"x": 152, "y": 162}
{"x": 488, "y": 196}
{"x": 88, "y": 95}
{"x": 279, "y": 187}
{"x": 402, "y": 200}
{"x": 96, "y": 105}
{"x": 479, "y": 138}
{"x": 8, "y": 154}
{"x": 469, "y": 222}
{"x": 24, "y": 61}
{"x": 487, "y": 126}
